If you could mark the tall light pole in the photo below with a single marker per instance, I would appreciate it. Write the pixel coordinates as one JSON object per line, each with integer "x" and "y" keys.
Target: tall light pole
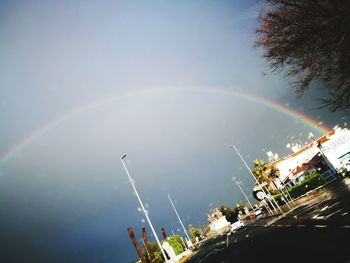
{"x": 246, "y": 197}
{"x": 256, "y": 180}
{"x": 177, "y": 214}
{"x": 251, "y": 173}
{"x": 143, "y": 208}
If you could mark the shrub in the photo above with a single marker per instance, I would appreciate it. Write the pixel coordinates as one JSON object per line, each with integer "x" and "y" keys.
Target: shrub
{"x": 311, "y": 181}
{"x": 154, "y": 252}
{"x": 176, "y": 243}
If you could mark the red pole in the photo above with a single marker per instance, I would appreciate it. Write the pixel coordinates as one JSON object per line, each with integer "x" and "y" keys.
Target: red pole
{"x": 164, "y": 233}
{"x": 136, "y": 245}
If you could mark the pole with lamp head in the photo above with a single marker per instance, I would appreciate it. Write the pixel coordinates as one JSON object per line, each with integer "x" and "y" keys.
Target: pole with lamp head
{"x": 266, "y": 191}
{"x": 143, "y": 208}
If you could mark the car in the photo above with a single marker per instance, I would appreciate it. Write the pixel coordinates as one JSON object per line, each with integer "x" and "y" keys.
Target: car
{"x": 258, "y": 212}
{"x": 236, "y": 225}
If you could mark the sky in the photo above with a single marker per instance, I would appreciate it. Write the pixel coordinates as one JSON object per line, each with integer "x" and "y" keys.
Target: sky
{"x": 170, "y": 84}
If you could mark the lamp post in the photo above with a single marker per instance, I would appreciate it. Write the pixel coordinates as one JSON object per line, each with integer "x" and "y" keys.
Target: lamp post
{"x": 246, "y": 197}
{"x": 143, "y": 208}
{"x": 177, "y": 214}
{"x": 256, "y": 180}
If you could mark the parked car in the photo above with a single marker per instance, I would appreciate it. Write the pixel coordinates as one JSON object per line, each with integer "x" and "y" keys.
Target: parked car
{"x": 258, "y": 212}
{"x": 236, "y": 225}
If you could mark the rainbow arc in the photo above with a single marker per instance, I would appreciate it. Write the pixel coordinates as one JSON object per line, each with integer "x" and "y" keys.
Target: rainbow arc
{"x": 274, "y": 106}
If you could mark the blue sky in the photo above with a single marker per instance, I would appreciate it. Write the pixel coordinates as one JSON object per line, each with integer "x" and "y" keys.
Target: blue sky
{"x": 65, "y": 197}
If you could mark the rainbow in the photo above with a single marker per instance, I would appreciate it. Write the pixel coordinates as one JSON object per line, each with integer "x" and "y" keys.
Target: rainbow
{"x": 39, "y": 132}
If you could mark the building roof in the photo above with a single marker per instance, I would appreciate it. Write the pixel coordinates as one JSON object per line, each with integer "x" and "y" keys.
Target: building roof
{"x": 319, "y": 141}
{"x": 306, "y": 166}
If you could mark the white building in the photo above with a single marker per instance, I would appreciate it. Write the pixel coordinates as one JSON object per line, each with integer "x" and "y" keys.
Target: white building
{"x": 327, "y": 154}
{"x": 337, "y": 148}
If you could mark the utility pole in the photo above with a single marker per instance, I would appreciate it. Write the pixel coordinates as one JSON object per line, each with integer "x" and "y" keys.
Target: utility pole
{"x": 177, "y": 214}
{"x": 143, "y": 208}
{"x": 266, "y": 192}
{"x": 245, "y": 197}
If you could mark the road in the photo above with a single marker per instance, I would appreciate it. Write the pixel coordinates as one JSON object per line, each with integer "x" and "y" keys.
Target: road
{"x": 317, "y": 231}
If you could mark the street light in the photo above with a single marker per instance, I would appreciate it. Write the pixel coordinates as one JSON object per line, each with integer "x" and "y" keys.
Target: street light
{"x": 177, "y": 214}
{"x": 143, "y": 208}
{"x": 246, "y": 197}
{"x": 256, "y": 180}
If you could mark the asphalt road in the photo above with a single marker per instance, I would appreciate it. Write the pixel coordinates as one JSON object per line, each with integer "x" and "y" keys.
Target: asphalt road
{"x": 318, "y": 231}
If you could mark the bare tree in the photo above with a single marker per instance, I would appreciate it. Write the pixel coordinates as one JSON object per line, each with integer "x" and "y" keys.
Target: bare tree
{"x": 309, "y": 40}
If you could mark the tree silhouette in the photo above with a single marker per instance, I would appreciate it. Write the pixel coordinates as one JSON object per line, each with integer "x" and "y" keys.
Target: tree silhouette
{"x": 309, "y": 40}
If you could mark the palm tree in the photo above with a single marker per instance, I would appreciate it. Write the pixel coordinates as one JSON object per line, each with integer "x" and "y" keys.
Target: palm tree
{"x": 265, "y": 176}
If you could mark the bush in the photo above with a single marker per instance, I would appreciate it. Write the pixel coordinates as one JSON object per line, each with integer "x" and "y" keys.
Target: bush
{"x": 311, "y": 181}
{"x": 176, "y": 243}
{"x": 156, "y": 255}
